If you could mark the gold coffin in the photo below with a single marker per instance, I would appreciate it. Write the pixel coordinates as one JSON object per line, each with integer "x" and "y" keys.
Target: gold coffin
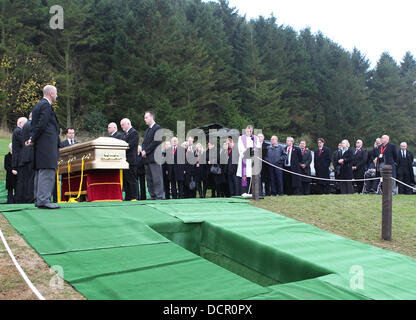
{"x": 100, "y": 153}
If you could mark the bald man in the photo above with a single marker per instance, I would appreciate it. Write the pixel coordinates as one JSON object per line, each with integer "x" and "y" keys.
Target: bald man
{"x": 113, "y": 131}
{"x": 387, "y": 155}
{"x": 17, "y": 145}
{"x": 45, "y": 141}
{"x": 131, "y": 136}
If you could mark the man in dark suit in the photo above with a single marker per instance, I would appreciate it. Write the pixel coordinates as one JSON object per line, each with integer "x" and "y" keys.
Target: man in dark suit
{"x": 45, "y": 139}
{"x": 387, "y": 155}
{"x": 70, "y": 138}
{"x": 359, "y": 164}
{"x": 27, "y": 163}
{"x": 322, "y": 161}
{"x": 189, "y": 169}
{"x": 337, "y": 167}
{"x": 11, "y": 176}
{"x": 265, "y": 176}
{"x": 113, "y": 132}
{"x": 17, "y": 145}
{"x": 292, "y": 183}
{"x": 166, "y": 182}
{"x": 131, "y": 136}
{"x": 405, "y": 169}
{"x": 232, "y": 164}
{"x": 154, "y": 174}
{"x": 141, "y": 174}
{"x": 175, "y": 159}
{"x": 306, "y": 168}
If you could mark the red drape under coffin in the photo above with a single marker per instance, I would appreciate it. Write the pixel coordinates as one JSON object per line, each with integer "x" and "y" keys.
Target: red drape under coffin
{"x": 97, "y": 185}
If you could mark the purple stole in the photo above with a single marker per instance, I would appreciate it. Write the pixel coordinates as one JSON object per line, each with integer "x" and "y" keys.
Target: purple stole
{"x": 244, "y": 165}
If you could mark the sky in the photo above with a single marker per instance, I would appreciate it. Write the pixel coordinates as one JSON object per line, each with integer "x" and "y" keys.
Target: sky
{"x": 372, "y": 26}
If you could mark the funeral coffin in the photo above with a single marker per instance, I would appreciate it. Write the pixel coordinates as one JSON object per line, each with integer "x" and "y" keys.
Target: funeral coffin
{"x": 92, "y": 170}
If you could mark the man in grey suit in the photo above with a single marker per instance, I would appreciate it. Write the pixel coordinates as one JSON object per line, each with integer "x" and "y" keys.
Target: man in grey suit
{"x": 154, "y": 174}
{"x": 45, "y": 141}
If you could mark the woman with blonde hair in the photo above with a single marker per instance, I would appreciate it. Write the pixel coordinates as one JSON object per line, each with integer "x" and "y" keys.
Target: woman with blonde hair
{"x": 346, "y": 173}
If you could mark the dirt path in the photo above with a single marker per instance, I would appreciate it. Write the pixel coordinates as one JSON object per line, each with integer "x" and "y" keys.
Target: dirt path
{"x": 12, "y": 285}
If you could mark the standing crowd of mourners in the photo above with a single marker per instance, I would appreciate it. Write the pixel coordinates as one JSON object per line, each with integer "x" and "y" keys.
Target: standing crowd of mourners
{"x": 192, "y": 169}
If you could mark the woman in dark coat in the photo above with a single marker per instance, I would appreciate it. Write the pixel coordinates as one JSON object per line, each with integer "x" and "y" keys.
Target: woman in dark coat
{"x": 11, "y": 178}
{"x": 346, "y": 172}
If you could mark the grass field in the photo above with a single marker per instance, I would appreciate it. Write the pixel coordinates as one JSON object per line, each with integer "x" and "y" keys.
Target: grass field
{"x": 357, "y": 217}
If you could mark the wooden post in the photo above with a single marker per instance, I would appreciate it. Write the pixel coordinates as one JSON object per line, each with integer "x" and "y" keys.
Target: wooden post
{"x": 255, "y": 187}
{"x": 387, "y": 203}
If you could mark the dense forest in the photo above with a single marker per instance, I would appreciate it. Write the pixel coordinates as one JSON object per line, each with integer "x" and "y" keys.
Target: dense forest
{"x": 201, "y": 62}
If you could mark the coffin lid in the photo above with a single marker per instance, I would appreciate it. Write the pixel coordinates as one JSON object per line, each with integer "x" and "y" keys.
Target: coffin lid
{"x": 99, "y": 143}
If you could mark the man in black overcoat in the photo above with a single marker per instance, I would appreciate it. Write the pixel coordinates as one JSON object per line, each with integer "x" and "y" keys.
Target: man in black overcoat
{"x": 11, "y": 176}
{"x": 45, "y": 140}
{"x": 17, "y": 145}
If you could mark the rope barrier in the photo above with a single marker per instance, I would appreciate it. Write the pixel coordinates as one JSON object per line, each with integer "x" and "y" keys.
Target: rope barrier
{"x": 403, "y": 183}
{"x": 333, "y": 180}
{"x": 317, "y": 178}
{"x": 19, "y": 268}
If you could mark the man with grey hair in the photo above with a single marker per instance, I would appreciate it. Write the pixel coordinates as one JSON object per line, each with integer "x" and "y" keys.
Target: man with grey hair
{"x": 131, "y": 136}
{"x": 292, "y": 183}
{"x": 387, "y": 155}
{"x": 113, "y": 131}
{"x": 45, "y": 140}
{"x": 275, "y": 155}
{"x": 405, "y": 169}
{"x": 17, "y": 145}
